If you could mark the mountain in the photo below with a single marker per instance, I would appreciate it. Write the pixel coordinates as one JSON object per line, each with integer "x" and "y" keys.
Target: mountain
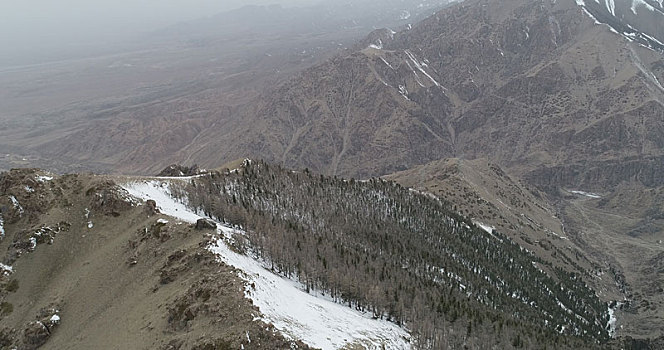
{"x": 636, "y": 20}
{"x": 84, "y": 262}
{"x": 525, "y": 139}
{"x": 495, "y": 200}
{"x": 612, "y": 237}
{"x": 88, "y": 257}
{"x": 539, "y": 88}
{"x": 186, "y": 78}
{"x": 402, "y": 255}
{"x": 295, "y": 20}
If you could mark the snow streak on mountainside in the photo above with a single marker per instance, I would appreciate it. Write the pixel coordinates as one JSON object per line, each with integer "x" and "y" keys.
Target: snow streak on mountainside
{"x": 315, "y": 320}
{"x": 637, "y": 20}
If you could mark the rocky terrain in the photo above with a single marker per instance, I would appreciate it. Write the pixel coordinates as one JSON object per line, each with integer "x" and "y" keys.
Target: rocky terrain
{"x": 83, "y": 263}
{"x": 623, "y": 229}
{"x": 540, "y": 121}
{"x": 532, "y": 86}
{"x": 637, "y": 20}
{"x": 539, "y": 88}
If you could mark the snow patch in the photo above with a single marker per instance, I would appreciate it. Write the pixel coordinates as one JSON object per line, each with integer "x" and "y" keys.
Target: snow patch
{"x": 487, "y": 228}
{"x": 420, "y": 68}
{"x": 587, "y": 194}
{"x": 44, "y": 178}
{"x": 593, "y": 17}
{"x": 403, "y": 92}
{"x": 162, "y": 221}
{"x": 160, "y": 192}
{"x": 87, "y": 217}
{"x": 317, "y": 321}
{"x": 637, "y": 3}
{"x": 648, "y": 74}
{"x": 377, "y": 46}
{"x": 2, "y": 227}
{"x": 611, "y": 324}
{"x": 387, "y": 63}
{"x": 633, "y": 34}
{"x": 6, "y": 269}
{"x": 17, "y": 205}
{"x": 611, "y": 6}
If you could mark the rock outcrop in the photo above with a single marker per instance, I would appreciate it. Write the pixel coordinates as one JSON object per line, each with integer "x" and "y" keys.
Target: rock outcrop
{"x": 177, "y": 170}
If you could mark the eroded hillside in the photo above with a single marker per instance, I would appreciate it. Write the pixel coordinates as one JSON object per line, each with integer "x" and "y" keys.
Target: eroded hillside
{"x": 537, "y": 87}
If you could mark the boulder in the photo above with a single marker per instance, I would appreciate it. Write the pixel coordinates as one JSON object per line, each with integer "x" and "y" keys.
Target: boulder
{"x": 205, "y": 224}
{"x": 151, "y": 207}
{"x": 109, "y": 198}
{"x": 35, "y": 335}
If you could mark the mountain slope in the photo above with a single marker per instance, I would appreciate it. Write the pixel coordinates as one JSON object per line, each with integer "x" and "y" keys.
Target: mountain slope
{"x": 313, "y": 319}
{"x": 86, "y": 261}
{"x": 614, "y": 238}
{"x": 636, "y": 20}
{"x": 402, "y": 255}
{"x": 484, "y": 192}
{"x": 83, "y": 263}
{"x": 527, "y": 84}
{"x": 158, "y": 98}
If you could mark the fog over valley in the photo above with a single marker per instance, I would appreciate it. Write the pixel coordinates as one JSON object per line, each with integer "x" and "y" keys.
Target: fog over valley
{"x": 40, "y": 30}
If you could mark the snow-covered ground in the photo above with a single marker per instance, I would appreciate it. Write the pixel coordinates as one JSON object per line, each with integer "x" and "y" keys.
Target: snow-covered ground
{"x": 2, "y": 228}
{"x": 315, "y": 320}
{"x": 160, "y": 192}
{"x": 6, "y": 269}
{"x": 613, "y": 319}
{"x": 17, "y": 205}
{"x": 487, "y": 228}
{"x": 87, "y": 217}
{"x": 44, "y": 178}
{"x": 587, "y": 194}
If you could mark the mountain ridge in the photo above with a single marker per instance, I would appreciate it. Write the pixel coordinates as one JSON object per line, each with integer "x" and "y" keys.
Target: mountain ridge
{"x": 522, "y": 86}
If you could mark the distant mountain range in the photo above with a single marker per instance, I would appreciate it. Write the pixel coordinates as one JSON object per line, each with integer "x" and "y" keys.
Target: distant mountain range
{"x": 531, "y": 85}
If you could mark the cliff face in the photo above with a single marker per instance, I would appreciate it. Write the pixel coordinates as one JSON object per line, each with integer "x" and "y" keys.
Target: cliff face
{"x": 598, "y": 175}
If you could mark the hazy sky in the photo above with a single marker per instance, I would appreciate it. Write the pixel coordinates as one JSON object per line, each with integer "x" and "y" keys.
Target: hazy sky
{"x": 29, "y": 25}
